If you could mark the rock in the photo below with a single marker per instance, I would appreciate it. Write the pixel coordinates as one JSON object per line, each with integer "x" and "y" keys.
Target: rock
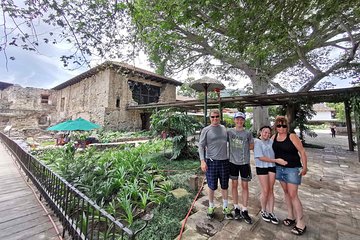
{"x": 208, "y": 227}
{"x": 180, "y": 192}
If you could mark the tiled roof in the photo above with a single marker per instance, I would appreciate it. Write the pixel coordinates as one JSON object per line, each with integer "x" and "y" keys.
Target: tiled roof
{"x": 125, "y": 68}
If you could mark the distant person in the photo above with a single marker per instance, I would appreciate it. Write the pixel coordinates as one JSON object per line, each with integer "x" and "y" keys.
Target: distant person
{"x": 333, "y": 130}
{"x": 60, "y": 140}
{"x": 265, "y": 169}
{"x": 288, "y": 146}
{"x": 214, "y": 161}
{"x": 240, "y": 144}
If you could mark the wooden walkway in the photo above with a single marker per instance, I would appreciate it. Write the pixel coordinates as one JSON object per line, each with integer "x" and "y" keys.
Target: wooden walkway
{"x": 21, "y": 215}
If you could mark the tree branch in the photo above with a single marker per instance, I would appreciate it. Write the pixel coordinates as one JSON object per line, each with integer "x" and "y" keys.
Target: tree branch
{"x": 207, "y": 49}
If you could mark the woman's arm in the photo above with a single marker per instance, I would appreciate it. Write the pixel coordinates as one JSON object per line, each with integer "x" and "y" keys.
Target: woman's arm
{"x": 276, "y": 160}
{"x": 297, "y": 143}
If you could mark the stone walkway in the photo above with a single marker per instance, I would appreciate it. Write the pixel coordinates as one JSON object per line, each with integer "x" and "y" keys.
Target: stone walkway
{"x": 330, "y": 194}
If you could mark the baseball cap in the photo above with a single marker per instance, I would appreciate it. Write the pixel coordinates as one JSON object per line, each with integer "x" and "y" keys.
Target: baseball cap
{"x": 240, "y": 115}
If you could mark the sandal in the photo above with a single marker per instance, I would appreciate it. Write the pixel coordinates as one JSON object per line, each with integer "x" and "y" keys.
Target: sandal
{"x": 289, "y": 222}
{"x": 298, "y": 231}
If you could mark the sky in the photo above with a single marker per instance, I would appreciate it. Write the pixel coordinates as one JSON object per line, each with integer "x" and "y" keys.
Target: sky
{"x": 45, "y": 70}
{"x": 30, "y": 69}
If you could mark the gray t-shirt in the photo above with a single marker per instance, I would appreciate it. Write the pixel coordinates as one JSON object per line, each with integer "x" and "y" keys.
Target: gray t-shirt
{"x": 214, "y": 140}
{"x": 239, "y": 146}
{"x": 263, "y": 149}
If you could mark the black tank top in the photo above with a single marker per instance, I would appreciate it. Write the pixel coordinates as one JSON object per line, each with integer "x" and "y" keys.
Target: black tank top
{"x": 287, "y": 151}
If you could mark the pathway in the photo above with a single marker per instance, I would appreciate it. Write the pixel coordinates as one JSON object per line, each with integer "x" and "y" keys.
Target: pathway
{"x": 21, "y": 215}
{"x": 330, "y": 194}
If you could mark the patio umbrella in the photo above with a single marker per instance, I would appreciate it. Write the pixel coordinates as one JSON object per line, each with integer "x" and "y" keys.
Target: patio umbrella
{"x": 59, "y": 127}
{"x": 206, "y": 84}
{"x": 80, "y": 124}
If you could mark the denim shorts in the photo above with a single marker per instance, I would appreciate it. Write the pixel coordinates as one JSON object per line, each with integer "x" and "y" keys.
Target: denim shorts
{"x": 289, "y": 175}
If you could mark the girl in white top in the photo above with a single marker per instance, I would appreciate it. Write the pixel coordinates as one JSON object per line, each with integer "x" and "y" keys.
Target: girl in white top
{"x": 265, "y": 169}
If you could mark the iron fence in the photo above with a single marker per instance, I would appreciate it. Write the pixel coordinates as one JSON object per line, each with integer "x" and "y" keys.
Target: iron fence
{"x": 80, "y": 216}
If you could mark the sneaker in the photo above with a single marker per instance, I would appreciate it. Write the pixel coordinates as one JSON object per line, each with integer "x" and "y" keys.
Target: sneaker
{"x": 246, "y": 217}
{"x": 238, "y": 214}
{"x": 227, "y": 213}
{"x": 211, "y": 212}
{"x": 265, "y": 216}
{"x": 273, "y": 218}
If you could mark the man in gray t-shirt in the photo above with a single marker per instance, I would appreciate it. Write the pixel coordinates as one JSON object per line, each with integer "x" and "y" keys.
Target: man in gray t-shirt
{"x": 214, "y": 161}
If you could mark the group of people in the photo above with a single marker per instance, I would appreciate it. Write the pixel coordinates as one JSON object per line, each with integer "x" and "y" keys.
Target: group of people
{"x": 225, "y": 154}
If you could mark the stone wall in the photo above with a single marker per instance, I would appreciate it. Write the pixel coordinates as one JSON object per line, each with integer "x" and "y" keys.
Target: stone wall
{"x": 87, "y": 99}
{"x": 168, "y": 93}
{"x": 103, "y": 98}
{"x": 26, "y": 108}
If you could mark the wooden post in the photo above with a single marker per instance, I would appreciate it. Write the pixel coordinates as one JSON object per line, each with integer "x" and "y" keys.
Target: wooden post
{"x": 205, "y": 103}
{"x": 348, "y": 125}
{"x": 357, "y": 132}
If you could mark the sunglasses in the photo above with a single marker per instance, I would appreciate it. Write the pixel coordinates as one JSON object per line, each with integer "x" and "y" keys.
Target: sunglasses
{"x": 215, "y": 116}
{"x": 281, "y": 125}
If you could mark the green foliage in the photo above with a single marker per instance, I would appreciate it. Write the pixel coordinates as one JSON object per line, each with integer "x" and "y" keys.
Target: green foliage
{"x": 128, "y": 183}
{"x": 355, "y": 103}
{"x": 122, "y": 181}
{"x": 186, "y": 90}
{"x": 116, "y": 136}
{"x": 228, "y": 121}
{"x": 80, "y": 135}
{"x": 302, "y": 112}
{"x": 339, "y": 110}
{"x": 167, "y": 217}
{"x": 178, "y": 126}
{"x": 273, "y": 112}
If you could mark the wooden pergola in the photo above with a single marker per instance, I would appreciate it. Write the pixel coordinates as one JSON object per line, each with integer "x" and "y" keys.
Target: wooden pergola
{"x": 332, "y": 95}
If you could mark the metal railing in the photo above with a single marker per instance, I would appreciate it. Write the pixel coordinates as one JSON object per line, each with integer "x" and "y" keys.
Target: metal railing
{"x": 80, "y": 216}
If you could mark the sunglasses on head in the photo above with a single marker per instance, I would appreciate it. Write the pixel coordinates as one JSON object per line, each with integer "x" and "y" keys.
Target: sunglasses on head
{"x": 281, "y": 125}
{"x": 215, "y": 116}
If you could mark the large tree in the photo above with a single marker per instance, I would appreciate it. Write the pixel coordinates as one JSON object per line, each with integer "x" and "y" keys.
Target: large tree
{"x": 298, "y": 41}
{"x": 287, "y": 45}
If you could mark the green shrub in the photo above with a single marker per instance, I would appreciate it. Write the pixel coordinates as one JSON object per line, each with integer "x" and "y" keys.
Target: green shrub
{"x": 166, "y": 223}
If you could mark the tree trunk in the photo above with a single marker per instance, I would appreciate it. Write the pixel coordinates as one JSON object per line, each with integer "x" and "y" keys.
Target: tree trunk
{"x": 260, "y": 114}
{"x": 291, "y": 115}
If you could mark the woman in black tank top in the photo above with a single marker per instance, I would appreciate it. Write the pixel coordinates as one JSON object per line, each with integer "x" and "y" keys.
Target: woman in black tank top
{"x": 289, "y": 147}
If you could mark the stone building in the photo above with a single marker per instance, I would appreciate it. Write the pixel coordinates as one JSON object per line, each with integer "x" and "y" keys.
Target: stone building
{"x": 100, "y": 94}
{"x": 26, "y": 108}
